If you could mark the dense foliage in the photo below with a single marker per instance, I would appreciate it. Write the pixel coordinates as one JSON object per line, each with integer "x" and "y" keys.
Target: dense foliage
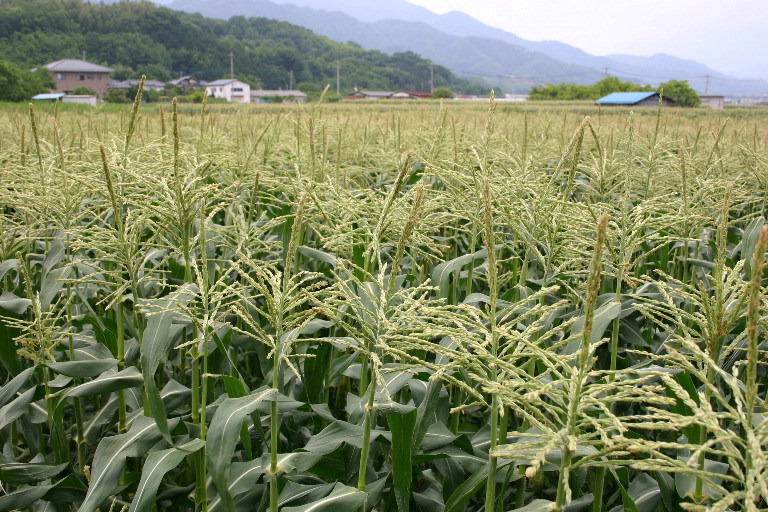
{"x": 140, "y": 37}
{"x": 17, "y": 84}
{"x": 565, "y": 91}
{"x": 382, "y": 307}
{"x": 681, "y": 93}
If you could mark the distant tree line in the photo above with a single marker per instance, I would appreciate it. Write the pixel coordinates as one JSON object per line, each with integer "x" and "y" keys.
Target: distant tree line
{"x": 677, "y": 90}
{"x": 138, "y": 38}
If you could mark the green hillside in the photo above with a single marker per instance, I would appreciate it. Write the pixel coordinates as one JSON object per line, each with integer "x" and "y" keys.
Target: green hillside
{"x": 140, "y": 37}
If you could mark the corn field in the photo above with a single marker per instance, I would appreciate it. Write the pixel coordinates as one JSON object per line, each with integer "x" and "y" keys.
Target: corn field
{"x": 383, "y": 307}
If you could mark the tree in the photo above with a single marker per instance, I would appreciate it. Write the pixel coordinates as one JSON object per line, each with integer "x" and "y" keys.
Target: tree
{"x": 680, "y": 92}
{"x": 17, "y": 84}
{"x": 116, "y": 96}
{"x": 87, "y": 91}
{"x": 442, "y": 93}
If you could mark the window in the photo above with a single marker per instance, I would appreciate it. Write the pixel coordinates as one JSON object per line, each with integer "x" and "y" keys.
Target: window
{"x": 89, "y": 76}
{"x": 61, "y": 76}
{"x": 80, "y": 77}
{"x": 237, "y": 89}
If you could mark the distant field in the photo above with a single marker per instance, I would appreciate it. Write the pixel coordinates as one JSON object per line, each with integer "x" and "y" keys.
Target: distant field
{"x": 383, "y": 306}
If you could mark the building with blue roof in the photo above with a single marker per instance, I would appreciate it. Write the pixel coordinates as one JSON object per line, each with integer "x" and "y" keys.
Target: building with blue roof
{"x": 633, "y": 99}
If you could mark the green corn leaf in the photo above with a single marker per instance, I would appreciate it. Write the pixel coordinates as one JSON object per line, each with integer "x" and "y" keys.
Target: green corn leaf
{"x": 155, "y": 467}
{"x": 19, "y": 406}
{"x": 156, "y": 343}
{"x": 83, "y": 369}
{"x": 341, "y": 499}
{"x": 466, "y": 490}
{"x": 337, "y": 433}
{"x": 9, "y": 391}
{"x": 16, "y": 305}
{"x": 402, "y": 428}
{"x": 28, "y": 472}
{"x": 23, "y": 497}
{"x": 426, "y": 413}
{"x": 108, "y": 382}
{"x": 110, "y": 456}
{"x": 441, "y": 274}
{"x": 242, "y": 477}
{"x": 300, "y": 494}
{"x": 431, "y": 500}
{"x": 223, "y": 435}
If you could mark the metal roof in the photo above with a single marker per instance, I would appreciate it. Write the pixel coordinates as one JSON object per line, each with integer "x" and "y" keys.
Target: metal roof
{"x": 267, "y": 92}
{"x": 76, "y": 65}
{"x": 376, "y": 93}
{"x": 625, "y": 98}
{"x": 48, "y": 96}
{"x": 223, "y": 81}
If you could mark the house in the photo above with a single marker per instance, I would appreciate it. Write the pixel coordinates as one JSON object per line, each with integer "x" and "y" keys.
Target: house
{"x": 633, "y": 99}
{"x": 716, "y": 102}
{"x": 411, "y": 95}
{"x": 69, "y": 74}
{"x": 117, "y": 84}
{"x": 369, "y": 95}
{"x": 266, "y": 95}
{"x": 187, "y": 82}
{"x": 229, "y": 89}
{"x": 149, "y": 85}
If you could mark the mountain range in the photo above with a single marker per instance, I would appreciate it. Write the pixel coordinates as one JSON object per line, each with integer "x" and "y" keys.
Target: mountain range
{"x": 469, "y": 47}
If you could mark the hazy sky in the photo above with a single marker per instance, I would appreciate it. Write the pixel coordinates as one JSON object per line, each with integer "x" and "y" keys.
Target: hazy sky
{"x": 730, "y": 36}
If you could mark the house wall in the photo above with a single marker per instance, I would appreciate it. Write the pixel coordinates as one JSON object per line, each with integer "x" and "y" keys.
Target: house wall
{"x": 67, "y": 82}
{"x": 236, "y": 92}
{"x": 715, "y": 102}
{"x": 653, "y": 102}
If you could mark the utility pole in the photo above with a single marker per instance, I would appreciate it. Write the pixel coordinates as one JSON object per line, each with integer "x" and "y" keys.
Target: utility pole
{"x": 338, "y": 78}
{"x": 431, "y": 77}
{"x": 706, "y": 85}
{"x": 231, "y": 65}
{"x": 606, "y": 71}
{"x": 290, "y": 83}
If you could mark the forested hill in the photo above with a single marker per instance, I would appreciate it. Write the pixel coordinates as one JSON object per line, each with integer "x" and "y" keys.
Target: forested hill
{"x": 136, "y": 37}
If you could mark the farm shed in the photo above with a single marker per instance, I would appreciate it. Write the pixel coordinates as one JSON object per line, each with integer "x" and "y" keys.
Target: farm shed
{"x": 265, "y": 95}
{"x": 149, "y": 85}
{"x": 69, "y": 74}
{"x": 85, "y": 99}
{"x": 369, "y": 95}
{"x": 716, "y": 102}
{"x": 633, "y": 99}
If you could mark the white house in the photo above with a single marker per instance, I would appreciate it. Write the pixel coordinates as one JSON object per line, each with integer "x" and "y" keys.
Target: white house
{"x": 230, "y": 89}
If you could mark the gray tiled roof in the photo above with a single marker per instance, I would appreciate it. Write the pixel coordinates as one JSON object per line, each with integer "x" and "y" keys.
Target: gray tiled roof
{"x": 75, "y": 65}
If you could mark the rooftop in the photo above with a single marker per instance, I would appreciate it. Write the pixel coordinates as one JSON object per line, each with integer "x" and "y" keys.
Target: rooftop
{"x": 267, "y": 92}
{"x": 625, "y": 98}
{"x": 76, "y": 65}
{"x": 223, "y": 81}
{"x": 49, "y": 96}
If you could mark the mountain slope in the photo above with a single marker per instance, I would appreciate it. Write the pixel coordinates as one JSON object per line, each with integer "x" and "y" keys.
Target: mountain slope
{"x": 369, "y": 23}
{"x": 468, "y": 56}
{"x": 140, "y": 36}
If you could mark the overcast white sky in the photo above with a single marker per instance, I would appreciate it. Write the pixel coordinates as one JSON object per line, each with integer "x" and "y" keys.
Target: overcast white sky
{"x": 730, "y": 36}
